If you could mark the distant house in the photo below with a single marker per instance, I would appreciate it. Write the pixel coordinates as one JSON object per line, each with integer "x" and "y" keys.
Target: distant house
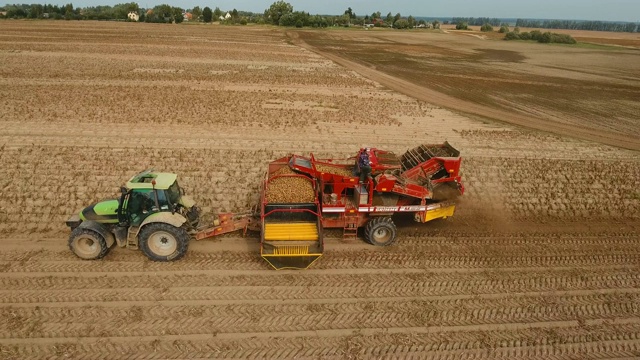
{"x": 226, "y": 17}
{"x": 3, "y": 13}
{"x": 378, "y": 22}
{"x": 133, "y": 16}
{"x": 187, "y": 16}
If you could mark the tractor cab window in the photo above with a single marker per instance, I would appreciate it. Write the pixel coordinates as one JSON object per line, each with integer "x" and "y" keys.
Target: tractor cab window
{"x": 174, "y": 193}
{"x": 141, "y": 204}
{"x": 162, "y": 200}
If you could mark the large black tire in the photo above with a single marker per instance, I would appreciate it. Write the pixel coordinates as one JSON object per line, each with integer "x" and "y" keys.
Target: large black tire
{"x": 87, "y": 244}
{"x": 380, "y": 231}
{"x": 163, "y": 242}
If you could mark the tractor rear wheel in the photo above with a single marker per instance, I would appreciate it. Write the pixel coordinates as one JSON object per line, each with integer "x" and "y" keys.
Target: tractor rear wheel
{"x": 163, "y": 242}
{"x": 87, "y": 244}
{"x": 380, "y": 231}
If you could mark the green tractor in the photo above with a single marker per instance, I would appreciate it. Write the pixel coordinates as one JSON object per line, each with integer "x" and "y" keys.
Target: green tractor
{"x": 152, "y": 214}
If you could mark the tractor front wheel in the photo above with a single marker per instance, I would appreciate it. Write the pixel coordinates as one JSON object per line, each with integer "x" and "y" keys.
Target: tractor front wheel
{"x": 163, "y": 242}
{"x": 380, "y": 231}
{"x": 87, "y": 244}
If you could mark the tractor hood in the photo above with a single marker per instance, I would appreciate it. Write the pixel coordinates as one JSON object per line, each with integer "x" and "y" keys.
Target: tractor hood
{"x": 102, "y": 212}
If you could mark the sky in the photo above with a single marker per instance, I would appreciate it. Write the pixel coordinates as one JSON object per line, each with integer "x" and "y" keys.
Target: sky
{"x": 609, "y": 10}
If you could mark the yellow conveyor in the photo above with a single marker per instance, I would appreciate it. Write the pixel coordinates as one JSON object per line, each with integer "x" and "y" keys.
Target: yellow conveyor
{"x": 296, "y": 231}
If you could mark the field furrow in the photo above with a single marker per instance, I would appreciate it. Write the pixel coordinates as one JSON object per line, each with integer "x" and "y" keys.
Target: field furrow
{"x": 434, "y": 282}
{"x": 564, "y": 342}
{"x": 158, "y": 320}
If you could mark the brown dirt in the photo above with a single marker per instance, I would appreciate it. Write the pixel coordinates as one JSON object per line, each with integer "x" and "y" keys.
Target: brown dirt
{"x": 585, "y": 93}
{"x": 540, "y": 260}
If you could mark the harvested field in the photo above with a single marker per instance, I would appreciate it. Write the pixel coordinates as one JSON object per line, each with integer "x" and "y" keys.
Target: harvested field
{"x": 541, "y": 259}
{"x": 584, "y": 91}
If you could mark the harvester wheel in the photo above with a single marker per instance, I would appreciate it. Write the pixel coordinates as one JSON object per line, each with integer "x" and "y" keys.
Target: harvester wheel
{"x": 163, "y": 242}
{"x": 380, "y": 231}
{"x": 87, "y": 244}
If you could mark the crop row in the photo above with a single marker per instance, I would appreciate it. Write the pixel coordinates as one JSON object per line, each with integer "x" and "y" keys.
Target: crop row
{"x": 113, "y": 104}
{"x": 29, "y": 66}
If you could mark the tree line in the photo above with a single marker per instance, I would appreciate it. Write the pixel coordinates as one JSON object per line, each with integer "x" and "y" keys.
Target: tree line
{"x": 537, "y": 35}
{"x": 579, "y": 25}
{"x": 479, "y": 21}
{"x": 281, "y": 13}
{"x": 163, "y": 13}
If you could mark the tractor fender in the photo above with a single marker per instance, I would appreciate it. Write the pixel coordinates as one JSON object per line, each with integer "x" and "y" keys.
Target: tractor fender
{"x": 187, "y": 201}
{"x": 100, "y": 229}
{"x": 173, "y": 219}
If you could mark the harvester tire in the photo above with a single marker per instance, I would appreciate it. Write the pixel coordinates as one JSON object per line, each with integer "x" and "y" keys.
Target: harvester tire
{"x": 87, "y": 244}
{"x": 163, "y": 242}
{"x": 380, "y": 231}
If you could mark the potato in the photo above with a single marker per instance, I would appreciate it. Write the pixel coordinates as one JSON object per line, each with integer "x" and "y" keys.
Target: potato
{"x": 334, "y": 170}
{"x": 289, "y": 189}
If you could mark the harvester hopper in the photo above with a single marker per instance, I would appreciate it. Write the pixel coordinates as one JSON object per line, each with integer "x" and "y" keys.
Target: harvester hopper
{"x": 290, "y": 215}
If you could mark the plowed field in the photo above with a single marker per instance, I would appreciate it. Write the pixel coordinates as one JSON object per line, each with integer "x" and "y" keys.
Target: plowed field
{"x": 541, "y": 260}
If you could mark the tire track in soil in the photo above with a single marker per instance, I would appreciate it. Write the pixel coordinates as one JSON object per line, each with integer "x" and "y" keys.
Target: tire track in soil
{"x": 234, "y": 318}
{"x": 523, "y": 239}
{"x": 253, "y": 293}
{"x": 548, "y": 243}
{"x": 341, "y": 260}
{"x": 439, "y": 283}
{"x": 566, "y": 341}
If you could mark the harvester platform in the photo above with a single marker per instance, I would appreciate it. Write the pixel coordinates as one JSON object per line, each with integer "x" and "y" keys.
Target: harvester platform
{"x": 291, "y": 245}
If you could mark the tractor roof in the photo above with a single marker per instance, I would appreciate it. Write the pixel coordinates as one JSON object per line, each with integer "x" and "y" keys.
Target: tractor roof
{"x": 143, "y": 180}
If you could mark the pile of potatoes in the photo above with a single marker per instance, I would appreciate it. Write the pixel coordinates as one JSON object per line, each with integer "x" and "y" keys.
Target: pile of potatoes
{"x": 289, "y": 189}
{"x": 334, "y": 170}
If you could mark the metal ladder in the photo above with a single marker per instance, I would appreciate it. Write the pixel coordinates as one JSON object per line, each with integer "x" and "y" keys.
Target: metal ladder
{"x": 350, "y": 226}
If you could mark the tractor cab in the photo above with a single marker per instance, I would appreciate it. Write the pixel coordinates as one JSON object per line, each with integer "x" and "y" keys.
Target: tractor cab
{"x": 148, "y": 193}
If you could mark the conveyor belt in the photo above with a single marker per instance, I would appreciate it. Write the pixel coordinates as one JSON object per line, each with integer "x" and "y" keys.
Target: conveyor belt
{"x": 291, "y": 231}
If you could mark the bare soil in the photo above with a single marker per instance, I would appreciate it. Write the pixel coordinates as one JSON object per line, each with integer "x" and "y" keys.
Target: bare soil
{"x": 579, "y": 91}
{"x": 540, "y": 260}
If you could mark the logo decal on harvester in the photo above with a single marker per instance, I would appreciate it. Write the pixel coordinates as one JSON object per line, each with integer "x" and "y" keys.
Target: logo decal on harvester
{"x": 392, "y": 208}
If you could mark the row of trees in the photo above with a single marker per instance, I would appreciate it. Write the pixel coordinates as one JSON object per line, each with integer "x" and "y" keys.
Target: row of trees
{"x": 536, "y": 35}
{"x": 579, "y": 25}
{"x": 39, "y": 11}
{"x": 281, "y": 13}
{"x": 159, "y": 14}
{"x": 476, "y": 21}
{"x": 163, "y": 14}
